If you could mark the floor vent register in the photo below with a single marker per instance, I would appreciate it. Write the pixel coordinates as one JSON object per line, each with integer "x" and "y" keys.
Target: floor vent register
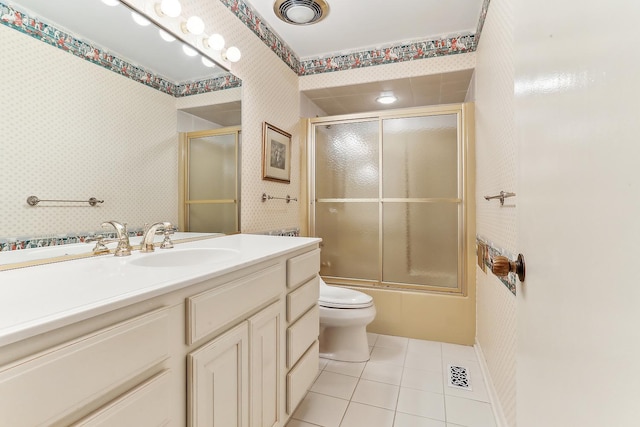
{"x": 459, "y": 377}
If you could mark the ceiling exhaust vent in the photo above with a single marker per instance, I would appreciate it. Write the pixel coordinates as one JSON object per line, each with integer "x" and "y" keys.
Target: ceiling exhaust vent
{"x": 301, "y": 12}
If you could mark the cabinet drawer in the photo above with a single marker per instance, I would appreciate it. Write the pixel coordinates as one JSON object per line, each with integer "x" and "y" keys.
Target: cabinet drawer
{"x": 209, "y": 311}
{"x": 302, "y": 334}
{"x": 145, "y": 405}
{"x": 300, "y": 300}
{"x": 43, "y": 388}
{"x": 302, "y": 267}
{"x": 300, "y": 378}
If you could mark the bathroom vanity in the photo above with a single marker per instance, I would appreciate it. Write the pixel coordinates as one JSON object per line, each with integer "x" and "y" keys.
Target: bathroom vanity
{"x": 216, "y": 332}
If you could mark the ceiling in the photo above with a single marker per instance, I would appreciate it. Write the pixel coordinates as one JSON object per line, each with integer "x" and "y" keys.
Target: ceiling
{"x": 350, "y": 26}
{"x": 357, "y": 25}
{"x": 226, "y": 114}
{"x": 411, "y": 92}
{"x": 354, "y": 25}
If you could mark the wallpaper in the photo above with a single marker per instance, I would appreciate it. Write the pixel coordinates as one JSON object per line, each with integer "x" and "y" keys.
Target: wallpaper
{"x": 72, "y": 130}
{"x": 496, "y": 162}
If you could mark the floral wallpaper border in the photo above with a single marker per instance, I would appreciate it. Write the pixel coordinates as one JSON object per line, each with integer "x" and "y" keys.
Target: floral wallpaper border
{"x": 24, "y": 242}
{"x": 493, "y": 251}
{"x": 386, "y": 55}
{"x": 30, "y": 242}
{"x": 40, "y": 30}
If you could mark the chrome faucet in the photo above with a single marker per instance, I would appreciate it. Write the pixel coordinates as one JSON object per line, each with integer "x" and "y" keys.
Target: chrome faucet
{"x": 123, "y": 248}
{"x": 150, "y": 231}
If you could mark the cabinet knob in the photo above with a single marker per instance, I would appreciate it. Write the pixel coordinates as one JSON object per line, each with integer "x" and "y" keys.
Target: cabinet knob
{"x": 502, "y": 266}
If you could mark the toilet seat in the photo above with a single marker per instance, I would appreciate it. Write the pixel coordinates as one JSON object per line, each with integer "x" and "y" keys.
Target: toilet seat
{"x": 335, "y": 297}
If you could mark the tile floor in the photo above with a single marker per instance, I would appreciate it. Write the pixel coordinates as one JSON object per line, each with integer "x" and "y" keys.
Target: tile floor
{"x": 403, "y": 385}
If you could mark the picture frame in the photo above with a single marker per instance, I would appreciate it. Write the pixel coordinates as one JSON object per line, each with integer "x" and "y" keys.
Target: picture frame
{"x": 276, "y": 154}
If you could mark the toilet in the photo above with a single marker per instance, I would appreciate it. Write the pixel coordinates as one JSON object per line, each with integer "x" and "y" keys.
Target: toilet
{"x": 344, "y": 316}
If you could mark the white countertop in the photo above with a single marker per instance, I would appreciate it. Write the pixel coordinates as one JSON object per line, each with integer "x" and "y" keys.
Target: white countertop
{"x": 39, "y": 299}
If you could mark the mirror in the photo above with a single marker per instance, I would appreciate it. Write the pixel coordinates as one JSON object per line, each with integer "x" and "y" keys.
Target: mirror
{"x": 112, "y": 29}
{"x": 72, "y": 130}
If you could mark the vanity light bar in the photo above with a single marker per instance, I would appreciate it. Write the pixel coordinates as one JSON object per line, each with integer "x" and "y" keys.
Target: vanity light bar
{"x": 189, "y": 31}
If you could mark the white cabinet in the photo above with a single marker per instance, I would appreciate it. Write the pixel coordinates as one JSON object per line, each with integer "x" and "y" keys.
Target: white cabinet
{"x": 238, "y": 349}
{"x": 220, "y": 394}
{"x": 303, "y": 324}
{"x": 280, "y": 341}
{"x": 47, "y": 388}
{"x": 218, "y": 381}
{"x": 266, "y": 363}
{"x": 144, "y": 406}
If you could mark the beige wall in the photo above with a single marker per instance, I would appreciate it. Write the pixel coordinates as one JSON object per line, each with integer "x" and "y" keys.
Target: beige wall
{"x": 496, "y": 171}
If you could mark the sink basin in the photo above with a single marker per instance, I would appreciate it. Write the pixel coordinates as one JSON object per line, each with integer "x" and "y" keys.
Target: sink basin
{"x": 184, "y": 257}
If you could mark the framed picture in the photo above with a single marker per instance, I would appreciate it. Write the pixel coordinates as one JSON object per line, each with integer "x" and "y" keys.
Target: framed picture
{"x": 276, "y": 154}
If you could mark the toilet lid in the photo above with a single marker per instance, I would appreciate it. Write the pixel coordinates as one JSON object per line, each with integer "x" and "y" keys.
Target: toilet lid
{"x": 335, "y": 297}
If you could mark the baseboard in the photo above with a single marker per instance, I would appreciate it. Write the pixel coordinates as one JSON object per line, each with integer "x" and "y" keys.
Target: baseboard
{"x": 498, "y": 413}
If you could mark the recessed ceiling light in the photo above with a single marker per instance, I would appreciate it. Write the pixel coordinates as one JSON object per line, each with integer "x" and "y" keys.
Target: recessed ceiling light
{"x": 386, "y": 99}
{"x": 111, "y": 2}
{"x": 301, "y": 12}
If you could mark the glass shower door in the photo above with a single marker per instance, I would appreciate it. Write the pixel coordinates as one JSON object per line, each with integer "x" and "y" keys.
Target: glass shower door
{"x": 421, "y": 214}
{"x": 210, "y": 201}
{"x": 388, "y": 193}
{"x": 347, "y": 189}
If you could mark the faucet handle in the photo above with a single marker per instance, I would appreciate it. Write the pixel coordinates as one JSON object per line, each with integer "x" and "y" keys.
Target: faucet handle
{"x": 101, "y": 243}
{"x": 168, "y": 230}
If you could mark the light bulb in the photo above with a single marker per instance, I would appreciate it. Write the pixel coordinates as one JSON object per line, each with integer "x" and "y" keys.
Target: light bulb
{"x": 194, "y": 25}
{"x": 300, "y": 14}
{"x": 207, "y": 62}
{"x": 166, "y": 36}
{"x": 233, "y": 54}
{"x": 189, "y": 51}
{"x": 171, "y": 8}
{"x": 386, "y": 99}
{"x": 111, "y": 2}
{"x": 139, "y": 19}
{"x": 215, "y": 42}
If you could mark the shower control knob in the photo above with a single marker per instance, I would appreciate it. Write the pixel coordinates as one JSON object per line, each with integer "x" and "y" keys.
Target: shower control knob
{"x": 502, "y": 266}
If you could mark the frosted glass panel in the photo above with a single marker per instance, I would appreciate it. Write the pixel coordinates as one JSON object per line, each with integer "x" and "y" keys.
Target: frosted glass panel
{"x": 349, "y": 234}
{"x": 213, "y": 218}
{"x": 347, "y": 160}
{"x": 421, "y": 243}
{"x": 420, "y": 157}
{"x": 212, "y": 167}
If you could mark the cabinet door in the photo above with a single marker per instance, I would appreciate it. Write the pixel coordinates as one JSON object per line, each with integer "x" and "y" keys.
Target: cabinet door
{"x": 266, "y": 362}
{"x": 218, "y": 381}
